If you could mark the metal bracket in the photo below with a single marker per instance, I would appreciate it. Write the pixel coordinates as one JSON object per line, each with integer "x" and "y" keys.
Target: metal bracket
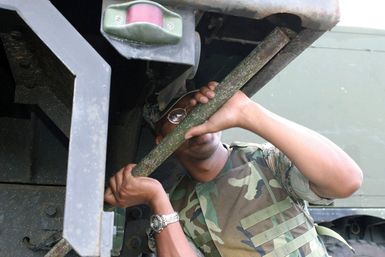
{"x": 87, "y": 150}
{"x": 107, "y": 234}
{"x": 180, "y": 53}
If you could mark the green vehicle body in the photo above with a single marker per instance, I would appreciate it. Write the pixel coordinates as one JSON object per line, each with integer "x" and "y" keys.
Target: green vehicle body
{"x": 336, "y": 87}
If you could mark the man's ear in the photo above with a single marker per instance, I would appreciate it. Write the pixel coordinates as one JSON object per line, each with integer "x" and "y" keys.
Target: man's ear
{"x": 158, "y": 139}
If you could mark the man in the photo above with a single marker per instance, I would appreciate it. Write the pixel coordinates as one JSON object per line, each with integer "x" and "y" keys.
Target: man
{"x": 244, "y": 200}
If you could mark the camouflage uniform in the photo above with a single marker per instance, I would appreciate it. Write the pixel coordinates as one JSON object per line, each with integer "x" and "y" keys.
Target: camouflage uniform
{"x": 234, "y": 215}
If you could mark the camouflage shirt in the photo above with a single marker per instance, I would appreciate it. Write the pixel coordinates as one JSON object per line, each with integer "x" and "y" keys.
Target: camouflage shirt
{"x": 254, "y": 207}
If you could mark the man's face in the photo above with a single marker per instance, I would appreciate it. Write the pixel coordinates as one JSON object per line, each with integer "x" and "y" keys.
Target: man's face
{"x": 200, "y": 147}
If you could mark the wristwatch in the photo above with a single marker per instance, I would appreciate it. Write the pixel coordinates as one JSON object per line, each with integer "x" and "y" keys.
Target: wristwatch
{"x": 159, "y": 222}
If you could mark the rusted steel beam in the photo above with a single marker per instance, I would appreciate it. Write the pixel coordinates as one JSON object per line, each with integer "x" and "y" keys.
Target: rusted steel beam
{"x": 60, "y": 249}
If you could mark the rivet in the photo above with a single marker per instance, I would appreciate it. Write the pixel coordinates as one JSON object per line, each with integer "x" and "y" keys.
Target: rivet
{"x": 135, "y": 242}
{"x": 16, "y": 35}
{"x": 25, "y": 63}
{"x": 170, "y": 26}
{"x": 50, "y": 210}
{"x": 135, "y": 213}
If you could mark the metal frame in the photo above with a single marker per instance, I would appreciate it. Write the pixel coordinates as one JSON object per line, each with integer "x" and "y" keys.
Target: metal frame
{"x": 297, "y": 45}
{"x": 87, "y": 151}
{"x": 316, "y": 14}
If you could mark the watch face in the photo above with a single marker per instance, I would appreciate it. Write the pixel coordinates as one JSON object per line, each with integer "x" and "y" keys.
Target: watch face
{"x": 157, "y": 223}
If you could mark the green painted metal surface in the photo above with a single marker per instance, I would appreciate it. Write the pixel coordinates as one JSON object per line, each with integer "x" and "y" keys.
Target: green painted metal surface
{"x": 337, "y": 87}
{"x": 115, "y": 24}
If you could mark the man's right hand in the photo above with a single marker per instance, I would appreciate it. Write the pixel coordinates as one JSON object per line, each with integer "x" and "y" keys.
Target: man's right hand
{"x": 125, "y": 190}
{"x": 228, "y": 116}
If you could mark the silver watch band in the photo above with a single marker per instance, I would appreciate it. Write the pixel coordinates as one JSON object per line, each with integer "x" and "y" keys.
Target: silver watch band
{"x": 170, "y": 218}
{"x": 159, "y": 222}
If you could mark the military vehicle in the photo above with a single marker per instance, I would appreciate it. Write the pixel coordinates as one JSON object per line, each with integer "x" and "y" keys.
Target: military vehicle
{"x": 74, "y": 79}
{"x": 336, "y": 88}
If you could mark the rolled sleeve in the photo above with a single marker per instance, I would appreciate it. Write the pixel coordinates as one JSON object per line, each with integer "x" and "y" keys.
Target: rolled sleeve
{"x": 291, "y": 179}
{"x": 301, "y": 186}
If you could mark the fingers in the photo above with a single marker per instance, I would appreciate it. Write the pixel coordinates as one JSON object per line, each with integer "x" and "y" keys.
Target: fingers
{"x": 198, "y": 130}
{"x": 126, "y": 179}
{"x": 109, "y": 197}
{"x": 112, "y": 185}
{"x": 205, "y": 94}
{"x": 212, "y": 85}
{"x": 113, "y": 194}
{"x": 127, "y": 170}
{"x": 126, "y": 190}
{"x": 118, "y": 183}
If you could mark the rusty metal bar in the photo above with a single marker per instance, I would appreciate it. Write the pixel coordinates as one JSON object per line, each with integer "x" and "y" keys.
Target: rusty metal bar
{"x": 60, "y": 249}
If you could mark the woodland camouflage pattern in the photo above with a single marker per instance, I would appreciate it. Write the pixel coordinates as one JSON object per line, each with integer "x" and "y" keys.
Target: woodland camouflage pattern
{"x": 235, "y": 216}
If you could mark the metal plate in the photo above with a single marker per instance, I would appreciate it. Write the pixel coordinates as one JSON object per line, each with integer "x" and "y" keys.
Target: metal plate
{"x": 31, "y": 219}
{"x": 181, "y": 53}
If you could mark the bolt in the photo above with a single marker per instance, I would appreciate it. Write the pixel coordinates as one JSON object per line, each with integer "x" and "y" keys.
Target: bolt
{"x": 24, "y": 63}
{"x": 50, "y": 210}
{"x": 170, "y": 26}
{"x": 135, "y": 213}
{"x": 355, "y": 228}
{"x": 135, "y": 242}
{"x": 30, "y": 84}
{"x": 16, "y": 35}
{"x": 118, "y": 18}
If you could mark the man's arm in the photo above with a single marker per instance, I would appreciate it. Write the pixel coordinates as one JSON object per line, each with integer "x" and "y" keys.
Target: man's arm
{"x": 126, "y": 190}
{"x": 331, "y": 172}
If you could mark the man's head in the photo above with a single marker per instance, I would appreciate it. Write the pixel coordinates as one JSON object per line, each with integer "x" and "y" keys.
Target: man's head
{"x": 199, "y": 147}
{"x": 173, "y": 114}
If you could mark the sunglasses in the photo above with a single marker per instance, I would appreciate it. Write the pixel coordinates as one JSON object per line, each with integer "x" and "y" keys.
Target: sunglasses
{"x": 177, "y": 115}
